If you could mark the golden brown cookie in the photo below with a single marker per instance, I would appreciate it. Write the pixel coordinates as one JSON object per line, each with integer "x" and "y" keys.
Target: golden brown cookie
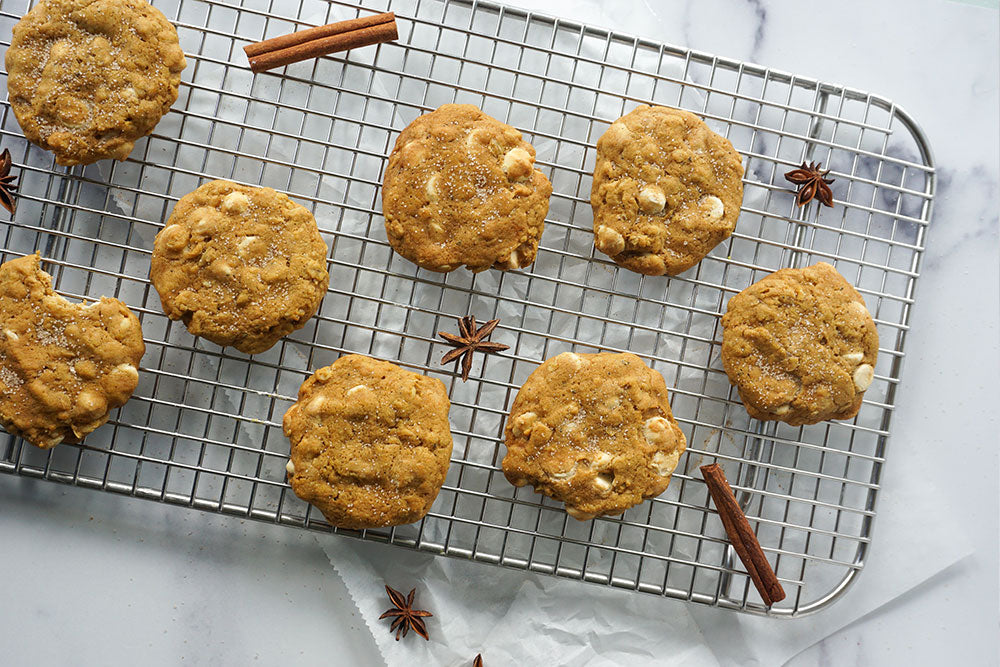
{"x": 666, "y": 190}
{"x": 63, "y": 366}
{"x": 800, "y": 346}
{"x": 240, "y": 266}
{"x": 371, "y": 442}
{"x": 87, "y": 78}
{"x": 594, "y": 431}
{"x": 461, "y": 188}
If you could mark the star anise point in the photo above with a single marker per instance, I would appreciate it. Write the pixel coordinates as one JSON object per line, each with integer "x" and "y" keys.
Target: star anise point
{"x": 470, "y": 341}
{"x": 405, "y": 617}
{"x": 8, "y": 182}
{"x": 812, "y": 182}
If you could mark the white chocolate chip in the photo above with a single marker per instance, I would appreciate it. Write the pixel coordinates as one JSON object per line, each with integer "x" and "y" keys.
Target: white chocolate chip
{"x": 565, "y": 474}
{"x": 10, "y": 334}
{"x": 221, "y": 268}
{"x": 579, "y": 514}
{"x": 475, "y": 137}
{"x": 664, "y": 463}
{"x": 517, "y": 164}
{"x": 290, "y": 467}
{"x": 49, "y": 444}
{"x": 658, "y": 431}
{"x": 204, "y": 223}
{"x": 618, "y": 131}
{"x": 316, "y": 405}
{"x": 125, "y": 324}
{"x": 514, "y": 260}
{"x": 90, "y": 402}
{"x": 863, "y": 376}
{"x": 437, "y": 229}
{"x": 235, "y": 202}
{"x": 324, "y": 374}
{"x": 414, "y": 152}
{"x": 601, "y": 460}
{"x": 355, "y": 389}
{"x": 523, "y": 424}
{"x": 609, "y": 241}
{"x": 128, "y": 370}
{"x": 244, "y": 243}
{"x": 854, "y": 357}
{"x": 713, "y": 206}
{"x": 604, "y": 481}
{"x": 173, "y": 238}
{"x": 430, "y": 188}
{"x": 129, "y": 94}
{"x": 652, "y": 200}
{"x": 783, "y": 409}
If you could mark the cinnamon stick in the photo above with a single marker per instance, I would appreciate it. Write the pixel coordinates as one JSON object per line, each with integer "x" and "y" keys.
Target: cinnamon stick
{"x": 741, "y": 535}
{"x": 321, "y": 41}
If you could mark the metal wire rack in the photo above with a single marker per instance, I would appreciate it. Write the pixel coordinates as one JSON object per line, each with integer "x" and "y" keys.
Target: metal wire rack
{"x": 204, "y": 427}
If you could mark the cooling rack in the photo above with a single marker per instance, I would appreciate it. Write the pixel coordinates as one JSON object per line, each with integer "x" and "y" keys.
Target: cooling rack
{"x": 204, "y": 427}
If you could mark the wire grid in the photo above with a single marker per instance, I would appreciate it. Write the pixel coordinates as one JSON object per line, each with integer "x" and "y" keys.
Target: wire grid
{"x": 204, "y": 427}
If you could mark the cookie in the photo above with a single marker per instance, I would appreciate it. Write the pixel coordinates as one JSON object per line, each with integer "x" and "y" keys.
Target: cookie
{"x": 371, "y": 442}
{"x": 63, "y": 366}
{"x": 87, "y": 78}
{"x": 461, "y": 188}
{"x": 240, "y": 266}
{"x": 800, "y": 346}
{"x": 593, "y": 431}
{"x": 666, "y": 190}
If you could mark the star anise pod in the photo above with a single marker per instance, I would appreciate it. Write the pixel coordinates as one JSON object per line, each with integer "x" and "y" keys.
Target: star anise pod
{"x": 8, "y": 187}
{"x": 406, "y": 617}
{"x": 812, "y": 184}
{"x": 471, "y": 341}
{"x": 478, "y": 662}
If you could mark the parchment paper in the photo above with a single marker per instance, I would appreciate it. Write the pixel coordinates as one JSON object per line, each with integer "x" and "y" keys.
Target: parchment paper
{"x": 520, "y": 618}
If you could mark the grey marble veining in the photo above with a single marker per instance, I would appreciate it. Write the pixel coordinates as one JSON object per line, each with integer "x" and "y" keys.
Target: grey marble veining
{"x": 180, "y": 587}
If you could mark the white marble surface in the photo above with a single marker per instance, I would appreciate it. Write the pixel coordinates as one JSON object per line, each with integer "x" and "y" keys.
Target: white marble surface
{"x": 178, "y": 586}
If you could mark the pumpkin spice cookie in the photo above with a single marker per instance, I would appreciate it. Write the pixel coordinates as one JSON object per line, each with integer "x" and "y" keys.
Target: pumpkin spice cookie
{"x": 594, "y": 431}
{"x": 241, "y": 266}
{"x": 461, "y": 188}
{"x": 800, "y": 346}
{"x": 666, "y": 190}
{"x": 371, "y": 442}
{"x": 63, "y": 366}
{"x": 87, "y": 78}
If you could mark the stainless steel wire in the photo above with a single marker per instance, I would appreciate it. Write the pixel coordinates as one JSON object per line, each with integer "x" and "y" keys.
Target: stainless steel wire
{"x": 204, "y": 427}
